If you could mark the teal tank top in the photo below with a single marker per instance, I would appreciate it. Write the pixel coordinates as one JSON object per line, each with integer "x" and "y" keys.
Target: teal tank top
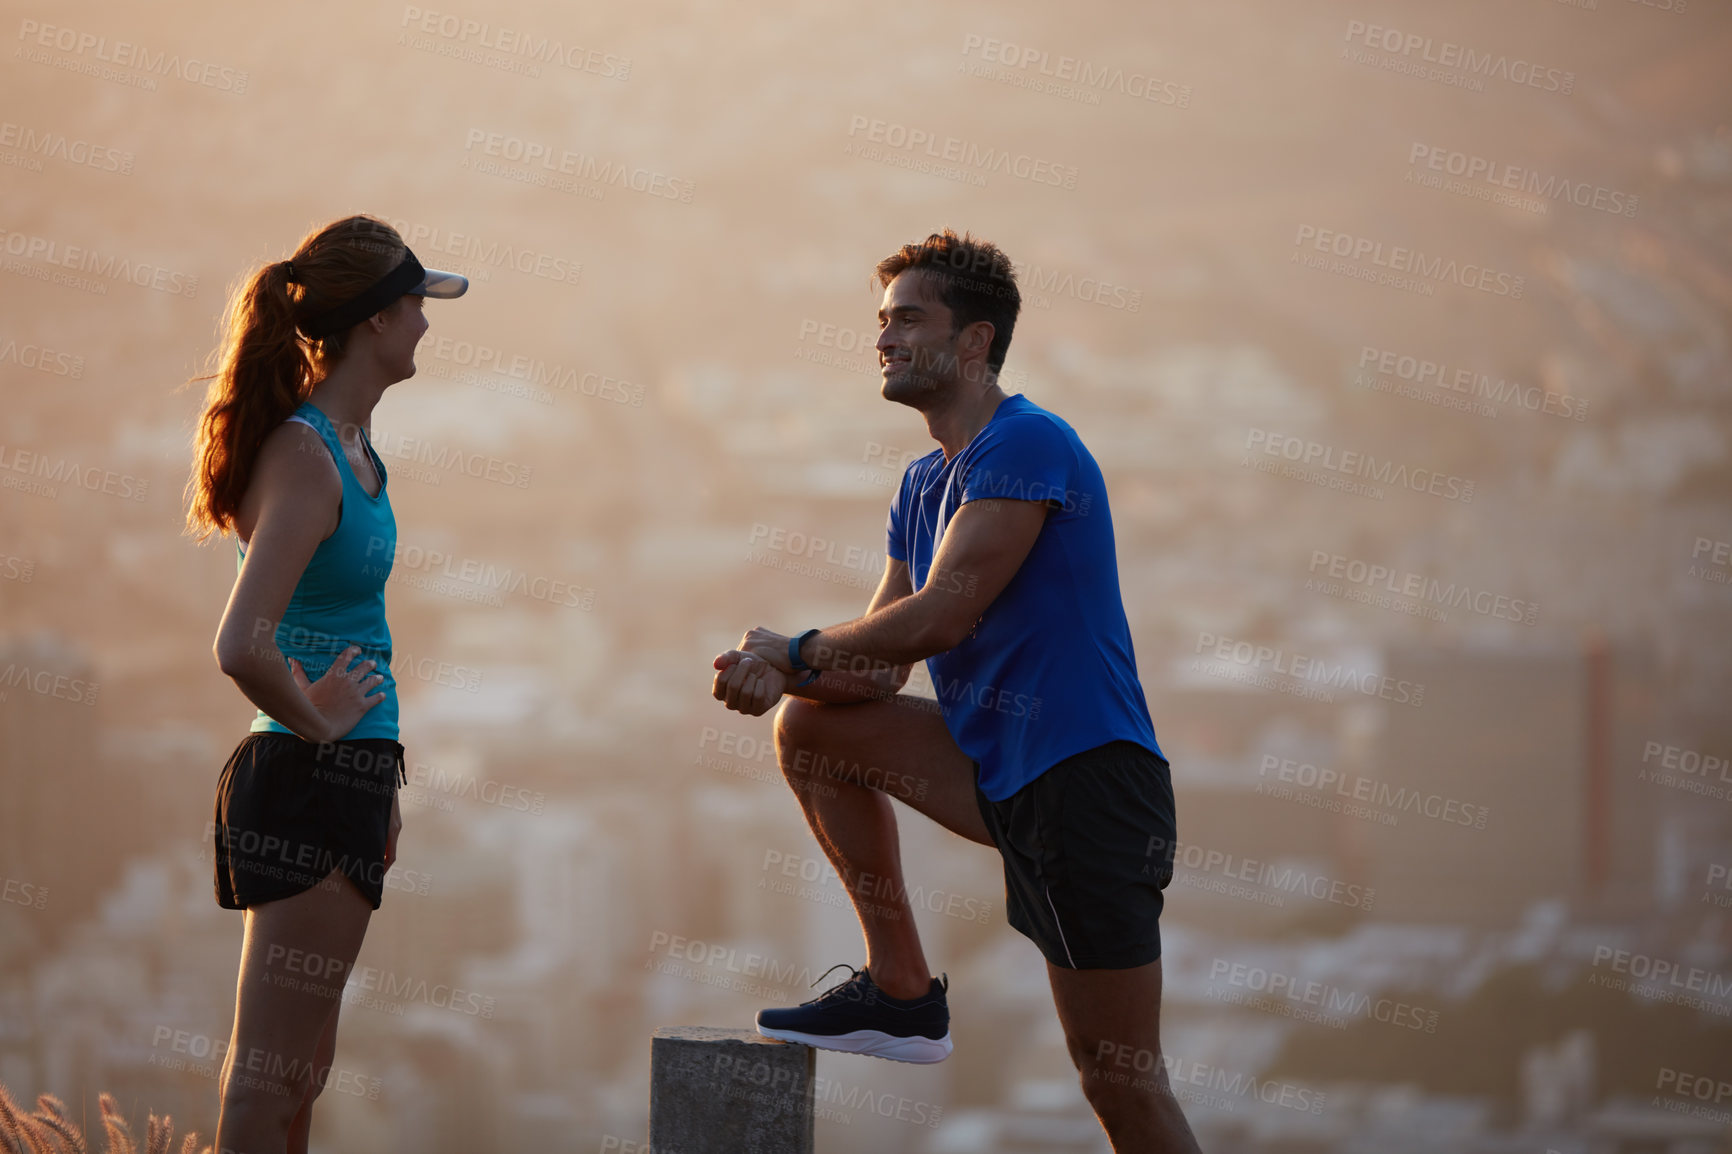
{"x": 340, "y": 598}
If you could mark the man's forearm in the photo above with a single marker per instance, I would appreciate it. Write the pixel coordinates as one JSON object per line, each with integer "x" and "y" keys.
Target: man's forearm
{"x": 897, "y": 635}
{"x": 835, "y": 687}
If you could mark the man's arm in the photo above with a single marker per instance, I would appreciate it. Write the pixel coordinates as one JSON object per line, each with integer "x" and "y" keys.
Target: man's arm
{"x": 984, "y": 545}
{"x": 832, "y": 688}
{"x": 840, "y": 686}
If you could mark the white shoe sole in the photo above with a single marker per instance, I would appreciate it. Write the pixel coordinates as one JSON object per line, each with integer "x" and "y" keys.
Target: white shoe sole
{"x": 874, "y": 1043}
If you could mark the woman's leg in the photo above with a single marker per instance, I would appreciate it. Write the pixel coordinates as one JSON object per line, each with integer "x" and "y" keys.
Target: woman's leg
{"x": 296, "y": 956}
{"x": 302, "y": 1124}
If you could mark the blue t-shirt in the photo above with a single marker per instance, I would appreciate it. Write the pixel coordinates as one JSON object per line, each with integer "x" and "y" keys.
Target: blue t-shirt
{"x": 1048, "y": 670}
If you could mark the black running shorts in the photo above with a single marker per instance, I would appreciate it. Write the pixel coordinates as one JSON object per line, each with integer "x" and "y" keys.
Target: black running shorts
{"x": 1088, "y": 847}
{"x": 288, "y": 812}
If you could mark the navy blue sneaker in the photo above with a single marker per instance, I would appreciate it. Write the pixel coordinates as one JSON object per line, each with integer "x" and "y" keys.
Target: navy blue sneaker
{"x": 857, "y": 1017}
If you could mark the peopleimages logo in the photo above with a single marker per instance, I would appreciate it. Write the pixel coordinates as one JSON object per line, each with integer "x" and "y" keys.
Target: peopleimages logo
{"x": 45, "y": 144}
{"x": 997, "y": 699}
{"x": 1337, "y": 675}
{"x": 1118, "y": 1063}
{"x": 754, "y": 1079}
{"x": 29, "y": 247}
{"x": 46, "y": 683}
{"x": 1470, "y": 385}
{"x": 1372, "y": 580}
{"x": 868, "y": 888}
{"x": 183, "y": 1050}
{"x": 1719, "y": 554}
{"x": 41, "y": 359}
{"x": 441, "y": 459}
{"x": 1686, "y": 769}
{"x": 535, "y": 371}
{"x": 483, "y": 255}
{"x": 463, "y": 786}
{"x": 1398, "y": 264}
{"x": 1701, "y": 1087}
{"x": 1356, "y": 788}
{"x": 42, "y": 474}
{"x": 1327, "y": 461}
{"x": 1662, "y": 980}
{"x": 1072, "y": 70}
{"x": 954, "y": 150}
{"x": 1038, "y": 282}
{"x": 476, "y": 572}
{"x": 515, "y": 42}
{"x": 25, "y": 894}
{"x": 1456, "y": 60}
{"x": 729, "y": 960}
{"x": 801, "y": 544}
{"x": 1285, "y": 879}
{"x": 534, "y": 154}
{"x": 1509, "y": 178}
{"x": 1018, "y": 488}
{"x": 124, "y": 54}
{"x": 368, "y": 985}
{"x": 1313, "y": 1000}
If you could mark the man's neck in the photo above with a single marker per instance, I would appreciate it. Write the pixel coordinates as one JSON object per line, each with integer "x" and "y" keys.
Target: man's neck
{"x": 955, "y": 425}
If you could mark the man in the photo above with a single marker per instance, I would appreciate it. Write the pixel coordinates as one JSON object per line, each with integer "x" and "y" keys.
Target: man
{"x": 1001, "y": 575}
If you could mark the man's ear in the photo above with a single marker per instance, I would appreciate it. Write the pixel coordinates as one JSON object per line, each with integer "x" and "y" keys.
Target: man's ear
{"x": 978, "y": 337}
{"x": 976, "y": 340}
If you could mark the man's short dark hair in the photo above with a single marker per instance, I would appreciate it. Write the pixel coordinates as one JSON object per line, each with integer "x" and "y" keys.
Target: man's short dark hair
{"x": 973, "y": 278}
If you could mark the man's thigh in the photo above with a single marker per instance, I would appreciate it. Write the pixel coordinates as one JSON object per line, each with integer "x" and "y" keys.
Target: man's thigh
{"x": 898, "y": 746}
{"x": 1111, "y": 1018}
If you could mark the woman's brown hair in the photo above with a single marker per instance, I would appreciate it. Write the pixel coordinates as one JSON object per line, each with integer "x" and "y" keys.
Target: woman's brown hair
{"x": 266, "y": 366}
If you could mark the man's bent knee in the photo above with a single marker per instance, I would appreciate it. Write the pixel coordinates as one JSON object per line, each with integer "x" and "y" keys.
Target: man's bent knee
{"x": 796, "y": 724}
{"x": 800, "y": 727}
{"x": 798, "y": 730}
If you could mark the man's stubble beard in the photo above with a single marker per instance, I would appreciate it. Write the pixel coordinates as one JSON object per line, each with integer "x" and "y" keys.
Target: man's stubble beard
{"x": 922, "y": 388}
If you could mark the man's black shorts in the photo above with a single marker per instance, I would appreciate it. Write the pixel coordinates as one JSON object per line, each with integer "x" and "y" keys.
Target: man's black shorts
{"x": 1088, "y": 847}
{"x": 288, "y": 812}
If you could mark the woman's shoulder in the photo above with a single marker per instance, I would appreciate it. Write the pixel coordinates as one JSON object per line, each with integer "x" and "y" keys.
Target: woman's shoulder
{"x": 295, "y": 452}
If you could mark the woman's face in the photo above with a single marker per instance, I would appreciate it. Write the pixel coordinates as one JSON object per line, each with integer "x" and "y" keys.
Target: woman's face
{"x": 404, "y": 325}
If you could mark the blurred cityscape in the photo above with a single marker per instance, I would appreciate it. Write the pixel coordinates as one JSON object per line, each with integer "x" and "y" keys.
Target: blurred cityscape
{"x": 1450, "y": 734}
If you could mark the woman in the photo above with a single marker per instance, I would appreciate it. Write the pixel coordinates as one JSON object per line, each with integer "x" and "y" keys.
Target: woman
{"x": 306, "y": 808}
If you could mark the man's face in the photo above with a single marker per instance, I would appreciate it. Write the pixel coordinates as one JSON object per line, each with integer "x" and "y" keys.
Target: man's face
{"x": 916, "y": 344}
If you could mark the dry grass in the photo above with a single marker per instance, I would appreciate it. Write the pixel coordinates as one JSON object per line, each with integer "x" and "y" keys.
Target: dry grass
{"x": 50, "y": 1131}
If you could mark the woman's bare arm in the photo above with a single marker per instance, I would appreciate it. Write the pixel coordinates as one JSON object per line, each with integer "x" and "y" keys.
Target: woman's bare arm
{"x": 298, "y": 492}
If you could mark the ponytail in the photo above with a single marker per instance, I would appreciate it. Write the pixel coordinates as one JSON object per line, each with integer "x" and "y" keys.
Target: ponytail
{"x": 267, "y": 366}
